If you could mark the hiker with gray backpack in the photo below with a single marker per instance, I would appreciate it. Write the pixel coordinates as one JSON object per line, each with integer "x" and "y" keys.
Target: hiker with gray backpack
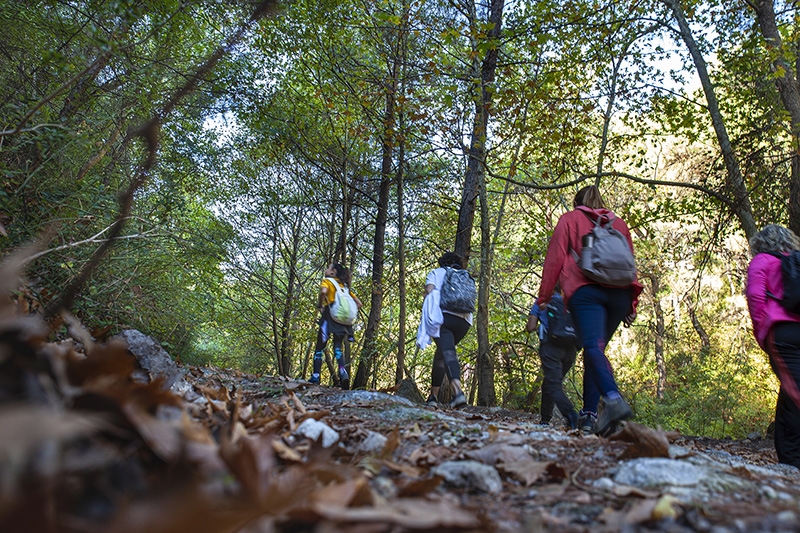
{"x": 590, "y": 256}
{"x": 446, "y": 317}
{"x": 339, "y": 307}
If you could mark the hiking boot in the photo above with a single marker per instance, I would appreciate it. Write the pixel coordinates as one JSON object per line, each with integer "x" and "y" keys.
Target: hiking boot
{"x": 432, "y": 401}
{"x": 587, "y": 421}
{"x": 343, "y": 375}
{"x": 614, "y": 410}
{"x": 573, "y": 422}
{"x": 314, "y": 379}
{"x": 459, "y": 400}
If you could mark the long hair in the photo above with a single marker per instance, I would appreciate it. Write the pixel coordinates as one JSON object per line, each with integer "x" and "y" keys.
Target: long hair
{"x": 451, "y": 259}
{"x": 589, "y": 197}
{"x": 774, "y": 239}
{"x": 342, "y": 273}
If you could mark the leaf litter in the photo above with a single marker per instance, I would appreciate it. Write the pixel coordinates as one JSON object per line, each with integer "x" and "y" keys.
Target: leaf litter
{"x": 87, "y": 446}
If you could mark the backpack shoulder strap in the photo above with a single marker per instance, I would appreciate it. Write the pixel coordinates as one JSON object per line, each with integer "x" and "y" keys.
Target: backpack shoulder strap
{"x": 335, "y": 282}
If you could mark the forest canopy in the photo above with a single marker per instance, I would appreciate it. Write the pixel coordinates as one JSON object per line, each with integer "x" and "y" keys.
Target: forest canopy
{"x": 190, "y": 169}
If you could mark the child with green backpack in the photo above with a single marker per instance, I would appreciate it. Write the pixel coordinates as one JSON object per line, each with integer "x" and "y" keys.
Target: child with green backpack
{"x": 339, "y": 307}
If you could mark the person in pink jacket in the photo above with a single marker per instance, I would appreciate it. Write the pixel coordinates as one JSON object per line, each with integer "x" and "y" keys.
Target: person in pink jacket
{"x": 777, "y": 332}
{"x": 597, "y": 310}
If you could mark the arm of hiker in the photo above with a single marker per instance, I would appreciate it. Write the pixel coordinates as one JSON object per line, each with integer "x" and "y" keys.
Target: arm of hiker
{"x": 756, "y": 290}
{"x": 357, "y": 301}
{"x": 553, "y": 261}
{"x": 628, "y": 320}
{"x": 429, "y": 288}
{"x": 533, "y": 321}
{"x": 322, "y": 298}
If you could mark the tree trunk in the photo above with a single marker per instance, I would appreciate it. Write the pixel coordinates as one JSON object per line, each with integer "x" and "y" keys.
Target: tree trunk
{"x": 285, "y": 352}
{"x": 790, "y": 96}
{"x": 661, "y": 368}
{"x": 485, "y": 367}
{"x": 401, "y": 264}
{"x": 705, "y": 340}
{"x": 735, "y": 182}
{"x": 369, "y": 354}
{"x": 484, "y": 77}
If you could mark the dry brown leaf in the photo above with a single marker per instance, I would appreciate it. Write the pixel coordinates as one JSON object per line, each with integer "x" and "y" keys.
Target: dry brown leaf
{"x": 23, "y": 428}
{"x": 163, "y": 438}
{"x": 499, "y": 453}
{"x": 285, "y": 452}
{"x": 408, "y": 470}
{"x": 392, "y": 442}
{"x": 250, "y": 460}
{"x": 419, "y": 487}
{"x": 646, "y": 442}
{"x": 298, "y": 405}
{"x": 527, "y": 472}
{"x": 349, "y": 492}
{"x": 411, "y": 513}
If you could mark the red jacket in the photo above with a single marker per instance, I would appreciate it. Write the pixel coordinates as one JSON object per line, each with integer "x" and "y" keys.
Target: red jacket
{"x": 559, "y": 264}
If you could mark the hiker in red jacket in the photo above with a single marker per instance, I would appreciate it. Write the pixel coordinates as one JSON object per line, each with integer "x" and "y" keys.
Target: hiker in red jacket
{"x": 597, "y": 309}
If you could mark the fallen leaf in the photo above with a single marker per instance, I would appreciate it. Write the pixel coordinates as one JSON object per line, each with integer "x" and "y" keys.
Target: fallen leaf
{"x": 646, "y": 442}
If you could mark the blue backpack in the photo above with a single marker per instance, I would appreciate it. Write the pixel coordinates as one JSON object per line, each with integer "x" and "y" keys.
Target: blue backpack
{"x": 560, "y": 328}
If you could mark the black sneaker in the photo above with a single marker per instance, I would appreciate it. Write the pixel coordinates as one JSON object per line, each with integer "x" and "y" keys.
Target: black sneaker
{"x": 587, "y": 421}
{"x": 459, "y": 400}
{"x": 613, "y": 411}
{"x": 432, "y": 401}
{"x": 344, "y": 378}
{"x": 314, "y": 379}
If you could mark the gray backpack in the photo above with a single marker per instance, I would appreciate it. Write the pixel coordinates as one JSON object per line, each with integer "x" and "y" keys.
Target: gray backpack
{"x": 606, "y": 256}
{"x": 458, "y": 293}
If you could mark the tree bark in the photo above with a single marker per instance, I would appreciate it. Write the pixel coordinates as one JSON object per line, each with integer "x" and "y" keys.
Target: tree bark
{"x": 366, "y": 363}
{"x": 661, "y": 368}
{"x": 483, "y": 74}
{"x": 705, "y": 340}
{"x": 790, "y": 96}
{"x": 735, "y": 182}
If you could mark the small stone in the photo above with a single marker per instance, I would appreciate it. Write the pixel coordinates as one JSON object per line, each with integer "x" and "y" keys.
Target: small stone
{"x": 470, "y": 474}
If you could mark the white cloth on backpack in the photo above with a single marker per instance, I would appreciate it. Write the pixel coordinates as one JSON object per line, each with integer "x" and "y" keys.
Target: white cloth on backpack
{"x": 432, "y": 320}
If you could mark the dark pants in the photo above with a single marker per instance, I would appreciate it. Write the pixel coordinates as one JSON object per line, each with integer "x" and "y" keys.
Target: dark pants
{"x": 445, "y": 360}
{"x": 556, "y": 362}
{"x": 327, "y": 329}
{"x": 784, "y": 356}
{"x": 597, "y": 312}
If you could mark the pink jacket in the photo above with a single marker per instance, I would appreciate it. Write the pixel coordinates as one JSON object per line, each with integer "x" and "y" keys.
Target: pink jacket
{"x": 764, "y": 275}
{"x": 559, "y": 264}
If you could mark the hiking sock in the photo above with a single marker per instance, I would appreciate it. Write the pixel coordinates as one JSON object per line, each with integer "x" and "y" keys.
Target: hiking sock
{"x": 613, "y": 395}
{"x": 317, "y": 362}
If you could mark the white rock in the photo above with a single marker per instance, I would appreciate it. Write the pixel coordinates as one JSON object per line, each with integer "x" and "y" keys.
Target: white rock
{"x": 312, "y": 429}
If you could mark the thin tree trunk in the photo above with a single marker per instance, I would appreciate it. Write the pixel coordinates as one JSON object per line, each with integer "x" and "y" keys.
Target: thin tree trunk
{"x": 790, "y": 96}
{"x": 485, "y": 367}
{"x": 661, "y": 368}
{"x": 285, "y": 352}
{"x": 401, "y": 227}
{"x": 705, "y": 340}
{"x": 483, "y": 74}
{"x": 401, "y": 263}
{"x": 735, "y": 182}
{"x": 366, "y": 363}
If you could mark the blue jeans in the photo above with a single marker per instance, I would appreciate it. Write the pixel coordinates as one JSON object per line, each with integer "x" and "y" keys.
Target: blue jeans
{"x": 597, "y": 312}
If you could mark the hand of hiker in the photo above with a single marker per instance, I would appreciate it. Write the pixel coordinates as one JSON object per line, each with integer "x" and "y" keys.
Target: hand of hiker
{"x": 628, "y": 320}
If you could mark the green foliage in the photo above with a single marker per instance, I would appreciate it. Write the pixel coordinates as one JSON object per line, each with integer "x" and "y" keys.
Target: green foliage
{"x": 259, "y": 166}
